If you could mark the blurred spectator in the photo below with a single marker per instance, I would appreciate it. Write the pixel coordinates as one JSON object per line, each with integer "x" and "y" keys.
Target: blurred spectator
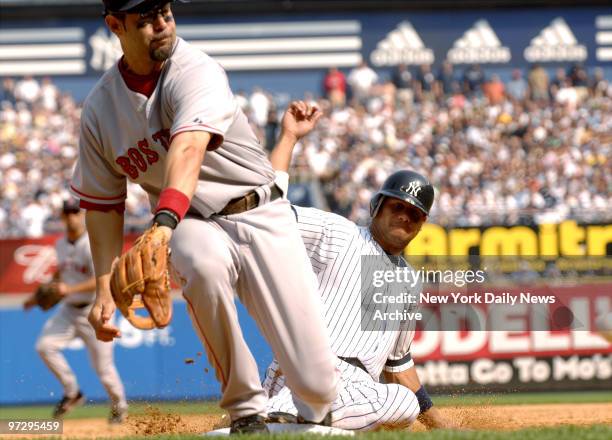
{"x": 402, "y": 77}
{"x": 7, "y": 93}
{"x": 402, "y": 80}
{"x": 494, "y": 90}
{"x": 34, "y": 215}
{"x": 362, "y": 79}
{"x": 567, "y": 95}
{"x": 271, "y": 127}
{"x": 538, "y": 83}
{"x": 517, "y": 86}
{"x": 424, "y": 83}
{"x": 579, "y": 76}
{"x": 473, "y": 79}
{"x": 598, "y": 84}
{"x": 580, "y": 80}
{"x": 260, "y": 107}
{"x": 334, "y": 85}
{"x": 445, "y": 80}
{"x": 558, "y": 81}
{"x": 243, "y": 101}
{"x": 48, "y": 95}
{"x": 27, "y": 90}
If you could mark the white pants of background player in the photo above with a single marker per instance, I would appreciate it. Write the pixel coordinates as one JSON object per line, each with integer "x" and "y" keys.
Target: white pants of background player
{"x": 362, "y": 404}
{"x": 66, "y": 324}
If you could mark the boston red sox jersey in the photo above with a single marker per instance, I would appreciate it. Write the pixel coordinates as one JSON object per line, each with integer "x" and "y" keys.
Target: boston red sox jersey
{"x": 336, "y": 247}
{"x": 192, "y": 94}
{"x": 75, "y": 265}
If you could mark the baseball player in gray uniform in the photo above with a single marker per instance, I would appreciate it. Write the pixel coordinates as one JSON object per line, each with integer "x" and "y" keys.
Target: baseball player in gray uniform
{"x": 164, "y": 116}
{"x": 76, "y": 283}
{"x": 336, "y": 247}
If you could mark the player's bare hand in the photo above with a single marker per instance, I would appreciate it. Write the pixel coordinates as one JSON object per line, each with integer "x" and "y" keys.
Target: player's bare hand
{"x": 300, "y": 119}
{"x": 434, "y": 419}
{"x": 100, "y": 318}
{"x": 62, "y": 288}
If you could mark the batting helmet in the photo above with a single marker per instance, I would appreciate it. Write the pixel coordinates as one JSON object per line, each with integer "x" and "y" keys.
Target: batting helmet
{"x": 408, "y": 186}
{"x": 132, "y": 5}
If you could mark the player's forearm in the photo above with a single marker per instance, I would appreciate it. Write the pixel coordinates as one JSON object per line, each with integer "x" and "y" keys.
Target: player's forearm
{"x": 280, "y": 157}
{"x": 408, "y": 378}
{"x": 184, "y": 161}
{"x": 106, "y": 241}
{"x": 86, "y": 286}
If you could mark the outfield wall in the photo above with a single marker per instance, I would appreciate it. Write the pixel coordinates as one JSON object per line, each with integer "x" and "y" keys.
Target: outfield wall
{"x": 170, "y": 363}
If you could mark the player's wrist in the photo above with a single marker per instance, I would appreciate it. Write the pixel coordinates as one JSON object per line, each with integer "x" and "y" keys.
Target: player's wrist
{"x": 165, "y": 218}
{"x": 288, "y": 137}
{"x": 171, "y": 207}
{"x": 425, "y": 402}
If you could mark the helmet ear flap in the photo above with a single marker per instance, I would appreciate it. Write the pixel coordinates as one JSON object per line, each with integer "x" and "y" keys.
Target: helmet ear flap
{"x": 375, "y": 204}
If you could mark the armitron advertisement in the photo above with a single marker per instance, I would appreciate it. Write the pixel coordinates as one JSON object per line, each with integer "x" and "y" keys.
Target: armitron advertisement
{"x": 546, "y": 240}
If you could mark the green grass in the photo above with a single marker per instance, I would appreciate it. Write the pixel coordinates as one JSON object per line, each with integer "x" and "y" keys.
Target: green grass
{"x": 524, "y": 398}
{"x": 597, "y": 432}
{"x": 101, "y": 410}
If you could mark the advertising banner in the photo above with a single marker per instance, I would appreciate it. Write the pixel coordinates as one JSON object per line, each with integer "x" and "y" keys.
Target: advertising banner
{"x": 314, "y": 41}
{"x": 166, "y": 364}
{"x": 531, "y": 327}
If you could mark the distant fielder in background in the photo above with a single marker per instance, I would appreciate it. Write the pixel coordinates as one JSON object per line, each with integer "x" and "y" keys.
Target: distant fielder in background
{"x": 74, "y": 284}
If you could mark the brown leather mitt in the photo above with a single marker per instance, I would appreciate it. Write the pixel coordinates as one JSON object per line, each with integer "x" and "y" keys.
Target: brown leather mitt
{"x": 140, "y": 279}
{"x": 47, "y": 296}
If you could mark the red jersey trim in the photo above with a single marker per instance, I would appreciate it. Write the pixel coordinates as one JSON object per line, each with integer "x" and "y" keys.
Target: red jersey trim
{"x": 143, "y": 84}
{"x": 119, "y": 207}
{"x": 122, "y": 196}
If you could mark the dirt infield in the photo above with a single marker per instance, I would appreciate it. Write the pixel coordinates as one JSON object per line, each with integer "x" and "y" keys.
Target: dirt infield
{"x": 497, "y": 417}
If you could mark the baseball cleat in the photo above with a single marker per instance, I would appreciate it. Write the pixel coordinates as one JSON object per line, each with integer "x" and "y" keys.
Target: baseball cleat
{"x": 67, "y": 404}
{"x": 117, "y": 415}
{"x": 254, "y": 424}
{"x": 327, "y": 420}
{"x": 281, "y": 417}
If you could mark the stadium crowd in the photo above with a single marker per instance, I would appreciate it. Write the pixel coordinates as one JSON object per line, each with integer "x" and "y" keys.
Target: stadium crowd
{"x": 529, "y": 150}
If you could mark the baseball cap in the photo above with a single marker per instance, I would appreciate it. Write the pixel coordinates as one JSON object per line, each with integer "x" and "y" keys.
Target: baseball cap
{"x": 71, "y": 206}
{"x": 129, "y": 6}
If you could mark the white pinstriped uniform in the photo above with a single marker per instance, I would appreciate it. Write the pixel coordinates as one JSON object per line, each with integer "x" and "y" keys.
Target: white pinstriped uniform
{"x": 335, "y": 246}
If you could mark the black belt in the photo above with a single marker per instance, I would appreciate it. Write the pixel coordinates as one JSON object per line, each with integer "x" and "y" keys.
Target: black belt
{"x": 249, "y": 201}
{"x": 79, "y": 305}
{"x": 354, "y": 362}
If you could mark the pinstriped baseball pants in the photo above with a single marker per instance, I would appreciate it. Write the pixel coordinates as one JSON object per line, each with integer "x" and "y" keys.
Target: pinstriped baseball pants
{"x": 362, "y": 404}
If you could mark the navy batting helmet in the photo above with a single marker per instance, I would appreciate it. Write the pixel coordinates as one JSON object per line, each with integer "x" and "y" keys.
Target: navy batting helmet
{"x": 408, "y": 186}
{"x": 132, "y": 5}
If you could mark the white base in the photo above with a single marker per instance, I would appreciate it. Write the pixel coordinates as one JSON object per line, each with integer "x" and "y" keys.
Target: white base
{"x": 291, "y": 427}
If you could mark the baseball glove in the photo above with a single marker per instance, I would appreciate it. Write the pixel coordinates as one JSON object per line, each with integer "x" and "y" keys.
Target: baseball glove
{"x": 47, "y": 296}
{"x": 140, "y": 279}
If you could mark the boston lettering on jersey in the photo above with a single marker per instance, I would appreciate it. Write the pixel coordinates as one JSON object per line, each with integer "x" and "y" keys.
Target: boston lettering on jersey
{"x": 138, "y": 159}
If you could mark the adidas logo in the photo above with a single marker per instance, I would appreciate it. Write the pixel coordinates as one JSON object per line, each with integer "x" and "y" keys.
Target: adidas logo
{"x": 402, "y": 45}
{"x": 478, "y": 45}
{"x": 555, "y": 42}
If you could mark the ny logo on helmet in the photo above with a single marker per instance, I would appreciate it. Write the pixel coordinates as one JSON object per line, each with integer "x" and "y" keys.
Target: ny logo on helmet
{"x": 412, "y": 189}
